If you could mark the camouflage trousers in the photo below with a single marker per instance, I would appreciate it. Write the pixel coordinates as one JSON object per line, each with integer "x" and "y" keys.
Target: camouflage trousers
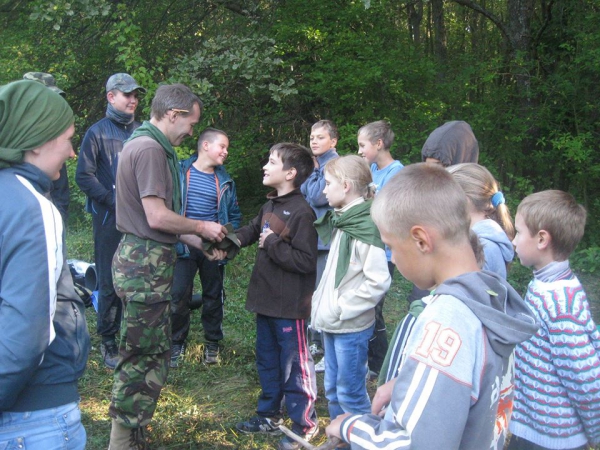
{"x": 142, "y": 274}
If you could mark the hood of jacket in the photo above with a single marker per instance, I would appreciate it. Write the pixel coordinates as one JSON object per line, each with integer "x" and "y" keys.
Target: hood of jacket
{"x": 452, "y": 143}
{"x": 506, "y": 318}
{"x": 489, "y": 230}
{"x": 38, "y": 179}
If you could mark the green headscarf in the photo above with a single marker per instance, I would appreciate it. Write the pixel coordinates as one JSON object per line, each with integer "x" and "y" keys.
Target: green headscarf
{"x": 147, "y": 129}
{"x": 30, "y": 115}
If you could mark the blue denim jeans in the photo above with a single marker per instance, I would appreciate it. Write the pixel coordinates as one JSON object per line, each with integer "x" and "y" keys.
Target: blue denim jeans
{"x": 46, "y": 429}
{"x": 346, "y": 372}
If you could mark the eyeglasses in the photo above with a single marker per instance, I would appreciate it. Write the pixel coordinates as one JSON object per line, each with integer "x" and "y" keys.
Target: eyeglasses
{"x": 179, "y": 110}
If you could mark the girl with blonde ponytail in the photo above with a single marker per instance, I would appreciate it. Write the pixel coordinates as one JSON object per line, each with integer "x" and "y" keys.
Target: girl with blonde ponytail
{"x": 490, "y": 217}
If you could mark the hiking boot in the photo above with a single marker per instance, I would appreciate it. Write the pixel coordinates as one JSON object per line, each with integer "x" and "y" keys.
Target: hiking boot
{"x": 110, "y": 354}
{"x": 177, "y": 354}
{"x": 259, "y": 424}
{"x": 320, "y": 366}
{"x": 123, "y": 438}
{"x": 288, "y": 443}
{"x": 211, "y": 353}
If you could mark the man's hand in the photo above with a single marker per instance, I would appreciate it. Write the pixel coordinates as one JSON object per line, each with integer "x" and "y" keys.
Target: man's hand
{"x": 211, "y": 231}
{"x": 191, "y": 240}
{"x": 382, "y": 397}
{"x": 333, "y": 429}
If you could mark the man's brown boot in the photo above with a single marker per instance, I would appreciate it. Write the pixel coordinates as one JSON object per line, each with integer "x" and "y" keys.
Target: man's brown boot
{"x": 123, "y": 438}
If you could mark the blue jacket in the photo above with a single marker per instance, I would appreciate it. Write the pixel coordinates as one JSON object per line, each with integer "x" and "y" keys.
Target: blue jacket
{"x": 312, "y": 189}
{"x": 44, "y": 341}
{"x": 97, "y": 162}
{"x": 228, "y": 210}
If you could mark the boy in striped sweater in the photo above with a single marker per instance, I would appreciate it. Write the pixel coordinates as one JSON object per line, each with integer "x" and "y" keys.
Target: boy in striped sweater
{"x": 557, "y": 371}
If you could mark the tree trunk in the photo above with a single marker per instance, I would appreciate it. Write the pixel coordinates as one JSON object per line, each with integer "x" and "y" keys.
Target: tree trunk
{"x": 439, "y": 30}
{"x": 415, "y": 17}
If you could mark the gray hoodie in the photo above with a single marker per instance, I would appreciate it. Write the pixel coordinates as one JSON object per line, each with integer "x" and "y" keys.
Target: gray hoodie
{"x": 497, "y": 248}
{"x": 452, "y": 143}
{"x": 454, "y": 388}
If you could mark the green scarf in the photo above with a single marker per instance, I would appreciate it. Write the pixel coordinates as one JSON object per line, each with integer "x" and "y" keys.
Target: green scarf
{"x": 356, "y": 223}
{"x": 147, "y": 129}
{"x": 30, "y": 115}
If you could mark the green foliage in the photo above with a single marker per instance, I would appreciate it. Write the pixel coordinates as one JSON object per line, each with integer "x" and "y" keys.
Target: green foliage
{"x": 56, "y": 10}
{"x": 268, "y": 70}
{"x": 586, "y": 260}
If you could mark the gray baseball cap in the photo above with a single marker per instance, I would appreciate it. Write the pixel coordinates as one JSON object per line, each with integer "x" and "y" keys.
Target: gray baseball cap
{"x": 46, "y": 79}
{"x": 123, "y": 82}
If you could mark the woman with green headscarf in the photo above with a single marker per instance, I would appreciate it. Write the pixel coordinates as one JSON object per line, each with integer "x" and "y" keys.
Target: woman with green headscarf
{"x": 44, "y": 341}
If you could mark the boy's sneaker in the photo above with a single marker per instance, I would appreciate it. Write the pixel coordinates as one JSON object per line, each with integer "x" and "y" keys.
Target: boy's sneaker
{"x": 320, "y": 366}
{"x": 288, "y": 443}
{"x": 110, "y": 354}
{"x": 259, "y": 424}
{"x": 211, "y": 353}
{"x": 315, "y": 350}
{"x": 177, "y": 354}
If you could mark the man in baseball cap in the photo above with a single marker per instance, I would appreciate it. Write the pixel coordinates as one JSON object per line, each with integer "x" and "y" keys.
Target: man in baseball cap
{"x": 96, "y": 170}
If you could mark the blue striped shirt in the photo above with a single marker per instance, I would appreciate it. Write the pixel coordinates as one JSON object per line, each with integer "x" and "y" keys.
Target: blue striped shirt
{"x": 202, "y": 196}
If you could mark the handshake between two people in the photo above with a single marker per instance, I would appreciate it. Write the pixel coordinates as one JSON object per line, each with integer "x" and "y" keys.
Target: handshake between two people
{"x": 218, "y": 242}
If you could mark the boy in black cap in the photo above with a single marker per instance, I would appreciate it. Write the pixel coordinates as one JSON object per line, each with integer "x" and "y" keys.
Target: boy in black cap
{"x": 96, "y": 171}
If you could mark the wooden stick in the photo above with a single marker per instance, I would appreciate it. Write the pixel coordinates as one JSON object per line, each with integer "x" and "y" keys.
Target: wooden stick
{"x": 303, "y": 442}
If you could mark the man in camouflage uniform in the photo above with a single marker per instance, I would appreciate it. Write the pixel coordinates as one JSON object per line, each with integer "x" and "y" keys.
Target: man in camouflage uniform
{"x": 148, "y": 199}
{"x": 60, "y": 187}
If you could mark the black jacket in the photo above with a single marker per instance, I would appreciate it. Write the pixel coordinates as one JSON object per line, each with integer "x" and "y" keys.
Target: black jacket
{"x": 97, "y": 163}
{"x": 284, "y": 274}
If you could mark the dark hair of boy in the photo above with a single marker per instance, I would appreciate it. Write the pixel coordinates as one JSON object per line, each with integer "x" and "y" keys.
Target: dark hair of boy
{"x": 558, "y": 213}
{"x": 329, "y": 126}
{"x": 209, "y": 135}
{"x": 295, "y": 156}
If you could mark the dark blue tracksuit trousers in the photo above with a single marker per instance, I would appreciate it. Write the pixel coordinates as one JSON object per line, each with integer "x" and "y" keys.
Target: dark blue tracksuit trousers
{"x": 286, "y": 369}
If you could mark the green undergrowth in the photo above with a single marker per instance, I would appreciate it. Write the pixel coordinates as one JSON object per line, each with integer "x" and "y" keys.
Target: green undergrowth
{"x": 200, "y": 405}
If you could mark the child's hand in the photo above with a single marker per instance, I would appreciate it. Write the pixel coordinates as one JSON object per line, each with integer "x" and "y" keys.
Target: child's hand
{"x": 333, "y": 429}
{"x": 261, "y": 240}
{"x": 383, "y": 397}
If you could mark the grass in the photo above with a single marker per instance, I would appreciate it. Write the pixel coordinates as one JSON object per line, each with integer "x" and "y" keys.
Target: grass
{"x": 200, "y": 405}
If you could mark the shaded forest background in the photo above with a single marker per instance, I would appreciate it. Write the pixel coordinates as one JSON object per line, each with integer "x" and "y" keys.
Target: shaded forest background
{"x": 523, "y": 73}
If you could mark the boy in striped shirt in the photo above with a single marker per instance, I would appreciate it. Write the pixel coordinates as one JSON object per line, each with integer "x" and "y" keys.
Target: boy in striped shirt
{"x": 209, "y": 194}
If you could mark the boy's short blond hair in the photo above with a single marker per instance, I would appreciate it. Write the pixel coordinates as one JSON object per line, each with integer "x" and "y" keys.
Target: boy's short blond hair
{"x": 422, "y": 194}
{"x": 558, "y": 213}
